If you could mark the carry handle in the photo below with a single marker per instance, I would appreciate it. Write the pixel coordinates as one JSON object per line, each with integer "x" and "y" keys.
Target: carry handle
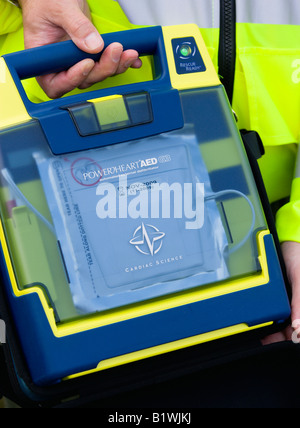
{"x": 61, "y": 56}
{"x": 62, "y": 133}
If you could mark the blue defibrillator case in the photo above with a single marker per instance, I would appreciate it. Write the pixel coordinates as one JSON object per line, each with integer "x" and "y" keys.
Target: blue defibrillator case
{"x": 131, "y": 224}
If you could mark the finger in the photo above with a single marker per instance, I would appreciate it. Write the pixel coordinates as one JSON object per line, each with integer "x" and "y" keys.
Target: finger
{"x": 48, "y": 22}
{"x": 106, "y": 67}
{"x": 291, "y": 253}
{"x": 129, "y": 59}
{"x": 281, "y": 336}
{"x": 274, "y": 338}
{"x": 137, "y": 64}
{"x": 81, "y": 30}
{"x": 57, "y": 85}
{"x": 113, "y": 61}
{"x": 296, "y": 301}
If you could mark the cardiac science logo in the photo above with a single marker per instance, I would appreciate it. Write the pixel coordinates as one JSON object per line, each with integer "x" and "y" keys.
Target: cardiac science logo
{"x": 147, "y": 239}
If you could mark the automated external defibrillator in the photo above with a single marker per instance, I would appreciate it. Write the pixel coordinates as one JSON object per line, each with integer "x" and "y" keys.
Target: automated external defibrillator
{"x": 131, "y": 225}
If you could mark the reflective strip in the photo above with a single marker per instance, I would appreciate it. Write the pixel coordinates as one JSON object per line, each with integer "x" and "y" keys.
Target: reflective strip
{"x": 205, "y": 13}
{"x": 284, "y": 12}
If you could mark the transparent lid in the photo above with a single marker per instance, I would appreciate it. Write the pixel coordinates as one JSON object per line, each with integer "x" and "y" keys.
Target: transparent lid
{"x": 124, "y": 224}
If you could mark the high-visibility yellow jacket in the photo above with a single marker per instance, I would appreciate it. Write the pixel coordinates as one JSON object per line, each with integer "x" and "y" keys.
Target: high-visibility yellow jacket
{"x": 267, "y": 82}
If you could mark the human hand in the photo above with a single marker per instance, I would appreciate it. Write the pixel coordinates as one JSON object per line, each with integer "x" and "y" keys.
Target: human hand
{"x": 53, "y": 21}
{"x": 291, "y": 254}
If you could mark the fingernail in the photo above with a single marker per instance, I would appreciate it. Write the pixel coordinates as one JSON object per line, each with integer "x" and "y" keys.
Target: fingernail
{"x": 88, "y": 68}
{"x": 130, "y": 62}
{"x": 94, "y": 41}
{"x": 296, "y": 324}
{"x": 116, "y": 54}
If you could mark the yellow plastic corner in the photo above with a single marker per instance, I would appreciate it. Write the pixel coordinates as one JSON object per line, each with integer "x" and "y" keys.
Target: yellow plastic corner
{"x": 204, "y": 79}
{"x": 12, "y": 108}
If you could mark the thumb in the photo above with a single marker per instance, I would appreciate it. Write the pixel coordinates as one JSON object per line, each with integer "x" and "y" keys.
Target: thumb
{"x": 82, "y": 31}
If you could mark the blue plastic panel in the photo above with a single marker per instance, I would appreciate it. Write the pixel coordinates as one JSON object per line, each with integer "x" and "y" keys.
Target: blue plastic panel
{"x": 57, "y": 358}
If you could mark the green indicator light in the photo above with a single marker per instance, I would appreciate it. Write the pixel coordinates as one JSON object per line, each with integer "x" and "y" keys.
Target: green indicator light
{"x": 185, "y": 50}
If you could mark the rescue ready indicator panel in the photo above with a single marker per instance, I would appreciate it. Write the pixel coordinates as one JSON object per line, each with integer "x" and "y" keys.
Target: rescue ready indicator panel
{"x": 187, "y": 56}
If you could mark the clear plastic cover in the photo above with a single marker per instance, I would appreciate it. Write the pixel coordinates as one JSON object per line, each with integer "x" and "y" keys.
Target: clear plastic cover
{"x": 119, "y": 225}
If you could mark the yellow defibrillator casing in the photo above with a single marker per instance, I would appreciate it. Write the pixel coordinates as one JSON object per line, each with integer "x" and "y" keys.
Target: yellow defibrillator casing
{"x": 88, "y": 292}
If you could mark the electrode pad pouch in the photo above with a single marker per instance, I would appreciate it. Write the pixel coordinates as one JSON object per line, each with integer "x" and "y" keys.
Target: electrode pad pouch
{"x": 113, "y": 261}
